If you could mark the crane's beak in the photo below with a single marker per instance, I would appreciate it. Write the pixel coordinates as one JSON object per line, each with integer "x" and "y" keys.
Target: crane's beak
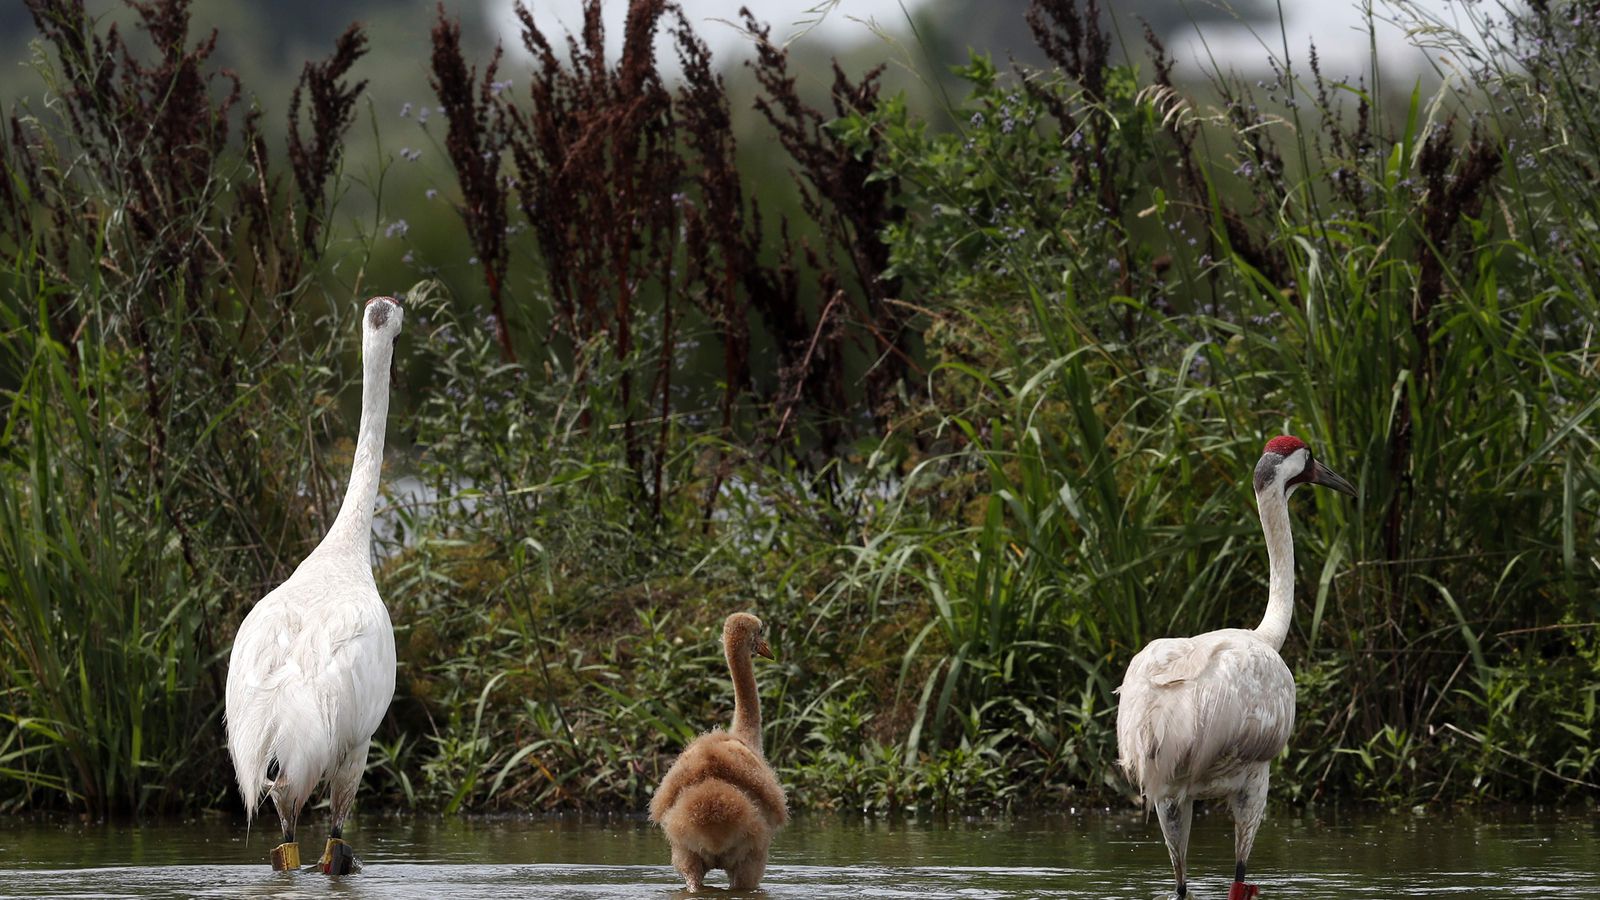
{"x": 762, "y": 649}
{"x": 1321, "y": 474}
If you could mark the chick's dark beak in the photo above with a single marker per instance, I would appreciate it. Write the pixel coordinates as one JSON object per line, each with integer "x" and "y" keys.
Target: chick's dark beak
{"x": 1321, "y": 474}
{"x": 762, "y": 649}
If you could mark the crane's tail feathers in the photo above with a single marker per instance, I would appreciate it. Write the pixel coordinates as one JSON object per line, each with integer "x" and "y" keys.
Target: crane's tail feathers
{"x": 1158, "y": 737}
{"x": 250, "y": 737}
{"x": 711, "y": 816}
{"x": 281, "y": 742}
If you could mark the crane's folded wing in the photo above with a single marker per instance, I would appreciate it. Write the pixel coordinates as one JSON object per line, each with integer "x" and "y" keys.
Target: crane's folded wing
{"x": 1192, "y": 707}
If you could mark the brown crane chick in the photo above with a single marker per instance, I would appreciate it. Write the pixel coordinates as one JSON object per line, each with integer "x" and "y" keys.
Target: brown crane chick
{"x": 721, "y": 803}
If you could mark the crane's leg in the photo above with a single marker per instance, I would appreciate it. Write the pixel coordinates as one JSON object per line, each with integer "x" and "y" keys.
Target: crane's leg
{"x": 1175, "y": 816}
{"x": 337, "y": 857}
{"x": 286, "y": 856}
{"x": 1249, "y": 805}
{"x": 690, "y": 866}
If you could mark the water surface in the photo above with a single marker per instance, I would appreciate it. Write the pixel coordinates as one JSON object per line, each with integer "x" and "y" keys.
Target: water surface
{"x": 1099, "y": 855}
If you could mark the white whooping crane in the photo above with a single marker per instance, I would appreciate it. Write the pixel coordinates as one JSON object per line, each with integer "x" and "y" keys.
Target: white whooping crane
{"x": 1203, "y": 717}
{"x": 312, "y": 668}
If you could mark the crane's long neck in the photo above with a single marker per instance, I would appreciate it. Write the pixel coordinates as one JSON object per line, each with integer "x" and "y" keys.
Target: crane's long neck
{"x": 746, "y": 702}
{"x": 352, "y": 529}
{"x": 1274, "y": 505}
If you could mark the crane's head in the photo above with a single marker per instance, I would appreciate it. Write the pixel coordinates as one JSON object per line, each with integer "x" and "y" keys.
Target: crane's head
{"x": 744, "y": 633}
{"x": 381, "y": 318}
{"x": 1286, "y": 463}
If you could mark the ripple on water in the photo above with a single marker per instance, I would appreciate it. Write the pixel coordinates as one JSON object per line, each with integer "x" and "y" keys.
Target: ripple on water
{"x": 1305, "y": 857}
{"x": 403, "y": 881}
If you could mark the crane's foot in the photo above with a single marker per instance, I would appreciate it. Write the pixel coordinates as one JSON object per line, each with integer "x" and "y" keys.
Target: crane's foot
{"x": 338, "y": 859}
{"x": 286, "y": 857}
{"x": 1242, "y": 891}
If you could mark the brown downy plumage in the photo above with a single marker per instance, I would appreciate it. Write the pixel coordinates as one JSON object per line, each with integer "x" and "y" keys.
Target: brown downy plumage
{"x": 720, "y": 802}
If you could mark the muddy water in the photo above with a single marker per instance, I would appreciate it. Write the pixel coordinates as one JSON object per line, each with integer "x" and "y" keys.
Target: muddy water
{"x": 1099, "y": 855}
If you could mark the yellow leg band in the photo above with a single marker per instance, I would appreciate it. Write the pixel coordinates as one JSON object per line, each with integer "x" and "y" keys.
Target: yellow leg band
{"x": 286, "y": 857}
{"x": 337, "y": 858}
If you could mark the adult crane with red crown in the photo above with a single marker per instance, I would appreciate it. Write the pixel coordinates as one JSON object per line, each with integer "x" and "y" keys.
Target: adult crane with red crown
{"x": 1203, "y": 717}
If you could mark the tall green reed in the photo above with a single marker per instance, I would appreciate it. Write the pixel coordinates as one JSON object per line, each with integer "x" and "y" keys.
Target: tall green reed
{"x": 1109, "y": 293}
{"x": 167, "y": 397}
{"x": 1117, "y": 356}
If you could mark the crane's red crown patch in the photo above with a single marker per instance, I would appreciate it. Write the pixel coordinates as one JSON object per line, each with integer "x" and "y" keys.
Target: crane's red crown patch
{"x": 1284, "y": 444}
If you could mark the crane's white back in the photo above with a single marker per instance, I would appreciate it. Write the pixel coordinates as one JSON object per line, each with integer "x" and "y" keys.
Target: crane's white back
{"x": 312, "y": 669}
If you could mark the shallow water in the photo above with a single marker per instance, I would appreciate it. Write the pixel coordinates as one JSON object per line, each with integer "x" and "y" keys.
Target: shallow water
{"x": 1324, "y": 855}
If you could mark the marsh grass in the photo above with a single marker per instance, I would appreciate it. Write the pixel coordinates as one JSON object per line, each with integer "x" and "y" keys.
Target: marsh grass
{"x": 1020, "y": 369}
{"x": 166, "y": 387}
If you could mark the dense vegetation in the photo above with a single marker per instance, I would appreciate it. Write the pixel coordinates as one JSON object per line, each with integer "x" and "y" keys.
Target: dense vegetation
{"x": 967, "y": 425}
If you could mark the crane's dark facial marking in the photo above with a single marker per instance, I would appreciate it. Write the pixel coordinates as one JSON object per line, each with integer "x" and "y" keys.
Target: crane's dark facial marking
{"x": 377, "y": 314}
{"x": 1266, "y": 470}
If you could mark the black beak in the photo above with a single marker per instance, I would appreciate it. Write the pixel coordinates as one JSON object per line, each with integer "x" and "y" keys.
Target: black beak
{"x": 1321, "y": 474}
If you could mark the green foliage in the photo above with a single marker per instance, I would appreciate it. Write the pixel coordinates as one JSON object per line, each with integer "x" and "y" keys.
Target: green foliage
{"x": 116, "y": 612}
{"x": 1109, "y": 294}
{"x": 1104, "y": 385}
{"x": 164, "y": 384}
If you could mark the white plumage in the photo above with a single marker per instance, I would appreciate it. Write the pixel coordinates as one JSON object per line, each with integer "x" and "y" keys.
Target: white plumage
{"x": 1213, "y": 703}
{"x": 1204, "y": 717}
{"x": 312, "y": 668}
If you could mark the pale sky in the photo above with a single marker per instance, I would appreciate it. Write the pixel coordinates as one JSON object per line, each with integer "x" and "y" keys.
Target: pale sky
{"x": 844, "y": 21}
{"x": 1338, "y": 26}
